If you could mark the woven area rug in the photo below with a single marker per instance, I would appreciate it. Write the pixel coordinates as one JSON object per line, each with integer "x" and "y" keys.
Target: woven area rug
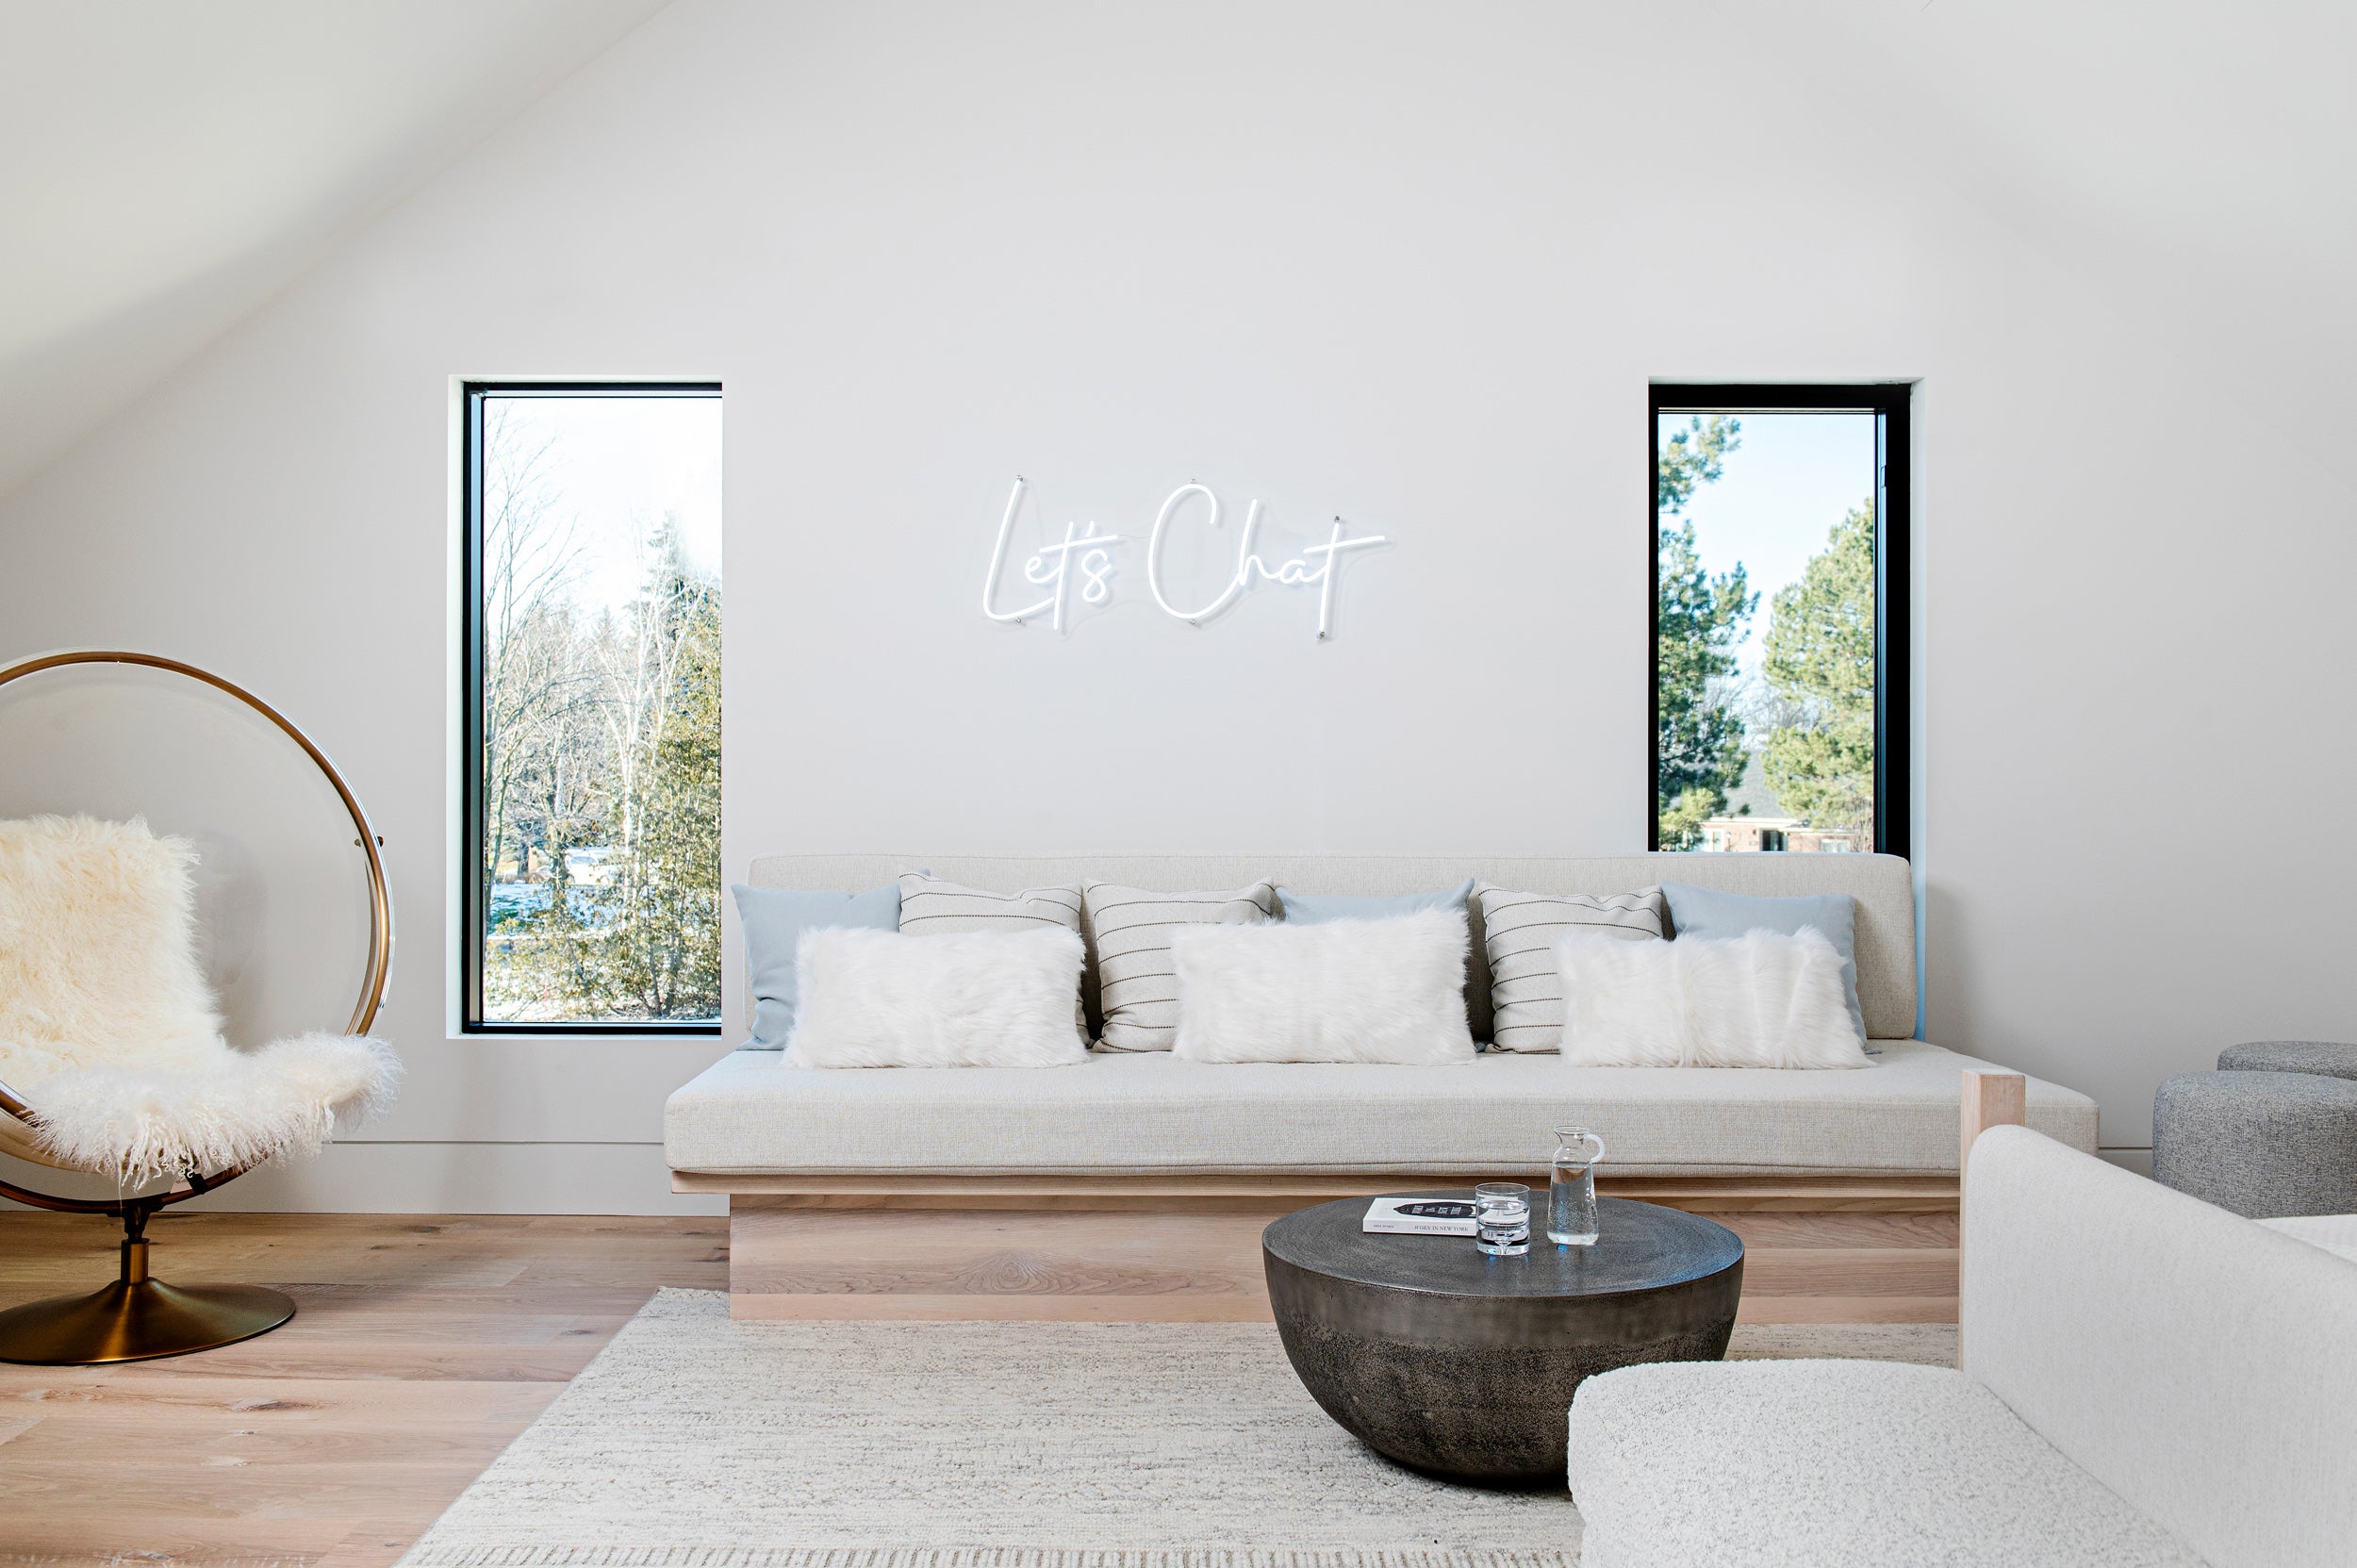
{"x": 696, "y": 1441}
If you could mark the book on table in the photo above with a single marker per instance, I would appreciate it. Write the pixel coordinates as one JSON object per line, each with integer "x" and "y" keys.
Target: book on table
{"x": 1419, "y": 1217}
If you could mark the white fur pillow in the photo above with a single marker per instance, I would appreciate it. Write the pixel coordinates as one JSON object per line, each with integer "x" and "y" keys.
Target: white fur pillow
{"x": 107, "y": 1028}
{"x": 1385, "y": 990}
{"x": 1764, "y": 999}
{"x": 878, "y": 999}
{"x": 98, "y": 951}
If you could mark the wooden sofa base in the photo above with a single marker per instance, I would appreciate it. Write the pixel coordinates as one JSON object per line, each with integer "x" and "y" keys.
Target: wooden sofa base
{"x": 1187, "y": 1250}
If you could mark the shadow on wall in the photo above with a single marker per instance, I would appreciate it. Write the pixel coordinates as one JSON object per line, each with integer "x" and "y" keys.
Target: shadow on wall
{"x": 1948, "y": 958}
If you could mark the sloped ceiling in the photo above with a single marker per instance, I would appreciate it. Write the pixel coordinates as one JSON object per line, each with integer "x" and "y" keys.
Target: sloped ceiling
{"x": 168, "y": 165}
{"x": 2195, "y": 162}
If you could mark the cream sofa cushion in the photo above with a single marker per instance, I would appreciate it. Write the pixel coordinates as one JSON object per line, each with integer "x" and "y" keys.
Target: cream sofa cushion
{"x": 1147, "y": 1112}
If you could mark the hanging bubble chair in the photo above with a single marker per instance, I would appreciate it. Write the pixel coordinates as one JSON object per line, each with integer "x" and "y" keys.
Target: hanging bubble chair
{"x": 188, "y": 891}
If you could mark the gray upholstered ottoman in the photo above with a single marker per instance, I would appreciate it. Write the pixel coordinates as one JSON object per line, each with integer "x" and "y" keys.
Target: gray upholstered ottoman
{"x": 2272, "y": 1133}
{"x": 2325, "y": 1058}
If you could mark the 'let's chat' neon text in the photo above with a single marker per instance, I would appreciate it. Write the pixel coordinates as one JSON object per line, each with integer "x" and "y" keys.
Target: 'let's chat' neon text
{"x": 1081, "y": 565}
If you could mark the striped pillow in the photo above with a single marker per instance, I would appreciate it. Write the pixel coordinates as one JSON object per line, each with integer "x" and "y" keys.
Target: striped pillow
{"x": 1522, "y": 929}
{"x": 932, "y": 907}
{"x": 1129, "y": 932}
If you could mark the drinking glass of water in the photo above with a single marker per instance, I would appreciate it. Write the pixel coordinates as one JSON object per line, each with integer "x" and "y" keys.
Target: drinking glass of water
{"x": 1572, "y": 1187}
{"x": 1502, "y": 1219}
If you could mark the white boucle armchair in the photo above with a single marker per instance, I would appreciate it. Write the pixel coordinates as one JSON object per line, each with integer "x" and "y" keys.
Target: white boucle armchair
{"x": 2146, "y": 1380}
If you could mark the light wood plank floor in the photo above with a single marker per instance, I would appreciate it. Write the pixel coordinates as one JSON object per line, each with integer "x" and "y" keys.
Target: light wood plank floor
{"x": 425, "y": 1343}
{"x": 422, "y": 1345}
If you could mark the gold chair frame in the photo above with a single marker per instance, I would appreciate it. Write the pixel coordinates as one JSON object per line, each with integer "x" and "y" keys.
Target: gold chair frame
{"x": 137, "y": 1317}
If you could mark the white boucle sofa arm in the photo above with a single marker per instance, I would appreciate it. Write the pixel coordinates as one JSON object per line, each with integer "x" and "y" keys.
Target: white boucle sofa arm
{"x": 2203, "y": 1366}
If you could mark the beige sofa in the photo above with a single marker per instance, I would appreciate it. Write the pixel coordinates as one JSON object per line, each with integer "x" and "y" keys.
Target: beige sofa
{"x": 2148, "y": 1382}
{"x": 1146, "y": 1133}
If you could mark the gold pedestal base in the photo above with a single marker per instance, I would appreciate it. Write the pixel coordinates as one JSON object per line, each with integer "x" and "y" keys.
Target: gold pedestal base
{"x": 137, "y": 1321}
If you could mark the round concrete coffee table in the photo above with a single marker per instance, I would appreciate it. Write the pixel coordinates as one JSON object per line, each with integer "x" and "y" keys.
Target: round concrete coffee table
{"x": 1453, "y": 1362}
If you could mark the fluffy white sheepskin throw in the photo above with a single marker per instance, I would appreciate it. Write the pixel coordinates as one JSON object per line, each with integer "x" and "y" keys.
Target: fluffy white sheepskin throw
{"x": 1382, "y": 990}
{"x": 878, "y": 998}
{"x": 109, "y": 1033}
{"x": 1764, "y": 999}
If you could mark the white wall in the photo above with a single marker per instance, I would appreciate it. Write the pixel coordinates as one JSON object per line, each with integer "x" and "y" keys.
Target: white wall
{"x": 1408, "y": 263}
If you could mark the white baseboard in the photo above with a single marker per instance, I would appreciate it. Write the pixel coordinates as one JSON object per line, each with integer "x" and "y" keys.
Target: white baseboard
{"x": 374, "y": 1177}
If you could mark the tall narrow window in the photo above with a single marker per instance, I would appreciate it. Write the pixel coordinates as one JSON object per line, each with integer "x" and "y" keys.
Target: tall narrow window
{"x": 591, "y": 863}
{"x": 1780, "y": 635}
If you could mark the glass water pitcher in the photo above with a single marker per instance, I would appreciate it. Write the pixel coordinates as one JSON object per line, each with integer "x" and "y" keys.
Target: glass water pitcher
{"x": 1572, "y": 1187}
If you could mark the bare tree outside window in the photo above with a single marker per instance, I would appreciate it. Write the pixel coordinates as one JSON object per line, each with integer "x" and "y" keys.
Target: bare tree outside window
{"x": 596, "y": 857}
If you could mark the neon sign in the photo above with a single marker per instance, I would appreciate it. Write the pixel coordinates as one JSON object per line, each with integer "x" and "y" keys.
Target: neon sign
{"x": 1051, "y": 568}
{"x": 1085, "y": 558}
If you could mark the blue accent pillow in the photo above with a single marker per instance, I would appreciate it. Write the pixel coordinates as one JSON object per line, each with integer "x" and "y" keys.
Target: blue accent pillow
{"x": 1708, "y": 912}
{"x": 775, "y": 919}
{"x": 1311, "y": 909}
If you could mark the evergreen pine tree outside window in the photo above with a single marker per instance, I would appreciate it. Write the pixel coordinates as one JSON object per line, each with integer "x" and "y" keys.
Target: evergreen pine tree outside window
{"x": 1773, "y": 579}
{"x": 1820, "y": 758}
{"x": 594, "y": 844}
{"x": 1699, "y": 751}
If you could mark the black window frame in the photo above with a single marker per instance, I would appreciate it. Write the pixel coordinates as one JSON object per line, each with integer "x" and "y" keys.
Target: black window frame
{"x": 1889, "y": 401}
{"x": 472, "y": 800}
